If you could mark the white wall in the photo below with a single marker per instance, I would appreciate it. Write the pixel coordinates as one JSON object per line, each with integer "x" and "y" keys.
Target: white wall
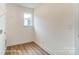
{"x": 54, "y": 28}
{"x": 77, "y": 29}
{"x": 16, "y": 32}
{"x": 2, "y": 27}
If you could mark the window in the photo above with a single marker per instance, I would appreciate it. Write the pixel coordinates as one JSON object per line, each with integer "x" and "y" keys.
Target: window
{"x": 27, "y": 19}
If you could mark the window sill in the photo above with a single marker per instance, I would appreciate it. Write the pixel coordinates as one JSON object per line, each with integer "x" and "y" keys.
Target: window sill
{"x": 28, "y": 26}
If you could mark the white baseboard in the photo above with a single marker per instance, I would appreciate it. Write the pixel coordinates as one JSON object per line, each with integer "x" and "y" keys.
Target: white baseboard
{"x": 19, "y": 43}
{"x": 48, "y": 51}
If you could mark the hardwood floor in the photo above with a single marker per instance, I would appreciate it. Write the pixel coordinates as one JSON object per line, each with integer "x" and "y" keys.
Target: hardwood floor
{"x": 25, "y": 49}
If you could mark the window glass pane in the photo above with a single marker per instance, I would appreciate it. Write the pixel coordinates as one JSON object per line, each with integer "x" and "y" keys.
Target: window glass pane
{"x": 25, "y": 22}
{"x": 27, "y": 19}
{"x": 27, "y": 15}
{"x": 29, "y": 22}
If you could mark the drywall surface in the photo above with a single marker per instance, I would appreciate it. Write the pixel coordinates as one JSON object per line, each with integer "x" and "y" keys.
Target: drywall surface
{"x": 16, "y": 33}
{"x": 2, "y": 28}
{"x": 77, "y": 29}
{"x": 53, "y": 25}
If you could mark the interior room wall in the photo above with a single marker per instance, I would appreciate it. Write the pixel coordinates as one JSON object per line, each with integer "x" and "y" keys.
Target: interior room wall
{"x": 16, "y": 33}
{"x": 53, "y": 25}
{"x": 76, "y": 28}
{"x": 2, "y": 28}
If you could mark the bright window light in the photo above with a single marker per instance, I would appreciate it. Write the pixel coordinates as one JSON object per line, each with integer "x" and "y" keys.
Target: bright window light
{"x": 27, "y": 19}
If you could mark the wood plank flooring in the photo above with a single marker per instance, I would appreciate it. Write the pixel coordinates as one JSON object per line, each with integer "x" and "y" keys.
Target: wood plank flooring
{"x": 25, "y": 49}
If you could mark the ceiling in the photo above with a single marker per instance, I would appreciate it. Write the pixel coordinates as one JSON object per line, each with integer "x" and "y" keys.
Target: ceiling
{"x": 30, "y": 5}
